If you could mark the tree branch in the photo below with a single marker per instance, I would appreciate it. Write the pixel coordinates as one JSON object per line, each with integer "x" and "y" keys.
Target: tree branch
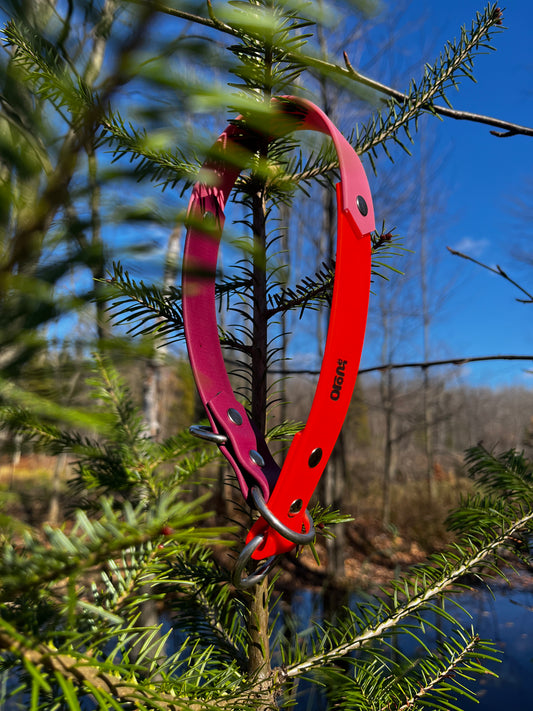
{"x": 439, "y": 586}
{"x": 348, "y": 72}
{"x": 442, "y": 676}
{"x": 94, "y": 678}
{"x": 411, "y": 364}
{"x": 496, "y": 270}
{"x": 511, "y": 129}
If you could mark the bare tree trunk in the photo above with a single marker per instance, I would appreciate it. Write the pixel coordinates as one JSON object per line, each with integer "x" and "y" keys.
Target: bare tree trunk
{"x": 15, "y": 456}
{"x": 334, "y": 479}
{"x": 54, "y": 508}
{"x": 427, "y": 405}
{"x": 155, "y": 373}
{"x": 153, "y": 412}
{"x": 389, "y": 456}
{"x": 99, "y": 266}
{"x": 334, "y": 493}
{"x": 284, "y": 220}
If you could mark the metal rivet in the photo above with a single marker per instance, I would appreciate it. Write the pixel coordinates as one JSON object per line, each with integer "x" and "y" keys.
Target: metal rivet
{"x": 209, "y": 219}
{"x": 256, "y": 458}
{"x": 315, "y": 457}
{"x": 235, "y": 416}
{"x": 362, "y": 206}
{"x": 295, "y": 507}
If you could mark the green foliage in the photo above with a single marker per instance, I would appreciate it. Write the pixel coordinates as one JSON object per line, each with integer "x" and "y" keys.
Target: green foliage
{"x": 75, "y": 593}
{"x": 454, "y": 63}
{"x": 503, "y": 494}
{"x": 495, "y": 521}
{"x": 166, "y": 167}
{"x": 143, "y": 308}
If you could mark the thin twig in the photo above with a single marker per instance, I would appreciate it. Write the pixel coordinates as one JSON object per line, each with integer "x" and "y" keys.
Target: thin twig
{"x": 496, "y": 270}
{"x": 412, "y": 364}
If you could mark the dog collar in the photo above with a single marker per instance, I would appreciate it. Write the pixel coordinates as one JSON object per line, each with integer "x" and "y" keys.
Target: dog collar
{"x": 281, "y": 495}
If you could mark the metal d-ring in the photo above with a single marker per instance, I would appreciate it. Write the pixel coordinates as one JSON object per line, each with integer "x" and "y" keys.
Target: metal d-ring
{"x": 259, "y": 573}
{"x": 288, "y": 533}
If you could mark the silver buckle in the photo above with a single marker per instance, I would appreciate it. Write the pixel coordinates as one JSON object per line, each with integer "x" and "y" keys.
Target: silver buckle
{"x": 207, "y": 433}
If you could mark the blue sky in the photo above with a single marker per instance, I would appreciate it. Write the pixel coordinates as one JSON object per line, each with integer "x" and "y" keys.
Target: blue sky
{"x": 480, "y": 179}
{"x": 484, "y": 179}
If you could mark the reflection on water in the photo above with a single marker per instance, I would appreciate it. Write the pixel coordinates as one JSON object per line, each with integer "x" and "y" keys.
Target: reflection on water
{"x": 507, "y": 619}
{"x": 503, "y": 615}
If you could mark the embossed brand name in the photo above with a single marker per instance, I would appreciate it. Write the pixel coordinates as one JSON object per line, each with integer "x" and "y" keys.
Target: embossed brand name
{"x": 338, "y": 380}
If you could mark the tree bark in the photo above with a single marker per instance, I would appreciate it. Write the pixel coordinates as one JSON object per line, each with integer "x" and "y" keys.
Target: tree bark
{"x": 258, "y": 623}
{"x": 427, "y": 408}
{"x": 387, "y": 395}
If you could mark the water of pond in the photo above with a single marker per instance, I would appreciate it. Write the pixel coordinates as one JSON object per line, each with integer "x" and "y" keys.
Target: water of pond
{"x": 503, "y": 614}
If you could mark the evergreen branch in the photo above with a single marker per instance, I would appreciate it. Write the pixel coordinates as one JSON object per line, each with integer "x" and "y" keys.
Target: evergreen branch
{"x": 403, "y": 108}
{"x": 92, "y": 677}
{"x": 232, "y": 342}
{"x": 313, "y": 292}
{"x": 208, "y": 608}
{"x": 491, "y": 19}
{"x": 310, "y": 292}
{"x": 442, "y": 582}
{"x": 122, "y": 583}
{"x": 509, "y": 128}
{"x": 94, "y": 542}
{"x": 148, "y": 308}
{"x": 442, "y": 676}
{"x": 455, "y": 60}
{"x": 114, "y": 681}
{"x": 383, "y": 682}
{"x": 164, "y": 166}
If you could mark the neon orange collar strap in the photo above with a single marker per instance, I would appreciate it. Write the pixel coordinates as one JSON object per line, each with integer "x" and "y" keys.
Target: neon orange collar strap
{"x": 280, "y": 495}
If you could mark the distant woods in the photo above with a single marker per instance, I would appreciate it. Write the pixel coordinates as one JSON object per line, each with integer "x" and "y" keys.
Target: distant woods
{"x": 461, "y": 415}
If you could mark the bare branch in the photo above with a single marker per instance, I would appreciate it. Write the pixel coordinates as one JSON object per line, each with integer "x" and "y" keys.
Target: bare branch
{"x": 451, "y": 361}
{"x": 412, "y": 364}
{"x": 496, "y": 270}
